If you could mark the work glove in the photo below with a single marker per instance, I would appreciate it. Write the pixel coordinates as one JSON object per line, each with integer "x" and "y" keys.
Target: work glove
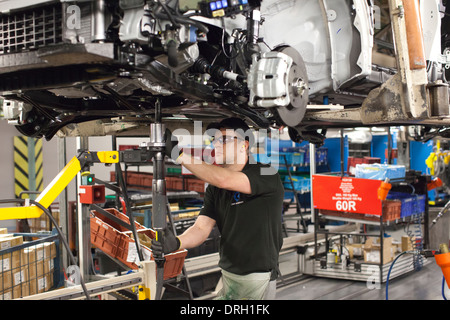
{"x": 172, "y": 149}
{"x": 170, "y": 243}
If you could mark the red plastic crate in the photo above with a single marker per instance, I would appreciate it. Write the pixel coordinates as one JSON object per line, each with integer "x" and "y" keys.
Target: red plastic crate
{"x": 115, "y": 241}
{"x": 147, "y": 181}
{"x": 351, "y": 164}
{"x": 177, "y": 183}
{"x": 371, "y": 160}
{"x": 104, "y": 237}
{"x": 195, "y": 185}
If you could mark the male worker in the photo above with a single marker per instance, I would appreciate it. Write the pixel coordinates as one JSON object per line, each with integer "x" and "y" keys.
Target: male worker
{"x": 245, "y": 201}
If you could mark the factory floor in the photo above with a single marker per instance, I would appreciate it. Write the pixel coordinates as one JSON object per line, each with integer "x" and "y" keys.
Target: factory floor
{"x": 425, "y": 284}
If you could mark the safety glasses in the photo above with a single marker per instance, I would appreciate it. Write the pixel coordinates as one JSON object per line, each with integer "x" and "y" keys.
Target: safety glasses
{"x": 225, "y": 139}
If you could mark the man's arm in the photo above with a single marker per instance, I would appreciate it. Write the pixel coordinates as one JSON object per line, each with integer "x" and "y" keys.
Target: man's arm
{"x": 198, "y": 233}
{"x": 217, "y": 176}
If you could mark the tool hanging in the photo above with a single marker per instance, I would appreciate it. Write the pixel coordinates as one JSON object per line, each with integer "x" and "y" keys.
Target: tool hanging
{"x": 159, "y": 196}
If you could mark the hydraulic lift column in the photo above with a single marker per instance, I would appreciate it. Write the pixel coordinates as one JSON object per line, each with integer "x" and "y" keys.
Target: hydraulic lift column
{"x": 83, "y": 222}
{"x": 159, "y": 195}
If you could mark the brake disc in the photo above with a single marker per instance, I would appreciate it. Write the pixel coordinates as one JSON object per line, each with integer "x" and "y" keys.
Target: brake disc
{"x": 298, "y": 89}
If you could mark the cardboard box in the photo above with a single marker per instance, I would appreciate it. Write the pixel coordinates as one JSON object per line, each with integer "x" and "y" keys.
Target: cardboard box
{"x": 43, "y": 222}
{"x": 41, "y": 284}
{"x": 6, "y": 295}
{"x": 40, "y": 252}
{"x": 16, "y": 292}
{"x": 19, "y": 276}
{"x": 39, "y": 268}
{"x": 21, "y": 290}
{"x": 397, "y": 246}
{"x": 3, "y": 230}
{"x": 12, "y": 260}
{"x": 5, "y": 281}
{"x": 372, "y": 251}
{"x": 406, "y": 243}
{"x": 355, "y": 249}
{"x": 14, "y": 277}
{"x": 8, "y": 241}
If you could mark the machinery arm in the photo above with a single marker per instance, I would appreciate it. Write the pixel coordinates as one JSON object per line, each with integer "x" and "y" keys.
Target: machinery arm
{"x": 81, "y": 162}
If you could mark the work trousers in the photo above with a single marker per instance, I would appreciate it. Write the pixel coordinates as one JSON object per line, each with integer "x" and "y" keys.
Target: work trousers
{"x": 253, "y": 286}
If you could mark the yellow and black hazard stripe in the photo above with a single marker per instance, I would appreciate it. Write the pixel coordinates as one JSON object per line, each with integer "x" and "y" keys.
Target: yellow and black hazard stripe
{"x": 28, "y": 161}
{"x": 21, "y": 179}
{"x": 39, "y": 172}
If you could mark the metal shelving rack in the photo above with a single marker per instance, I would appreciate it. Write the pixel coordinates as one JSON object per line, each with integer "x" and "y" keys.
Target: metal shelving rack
{"x": 357, "y": 269}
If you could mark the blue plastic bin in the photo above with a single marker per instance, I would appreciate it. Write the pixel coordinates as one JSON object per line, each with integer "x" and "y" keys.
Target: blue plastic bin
{"x": 420, "y": 201}
{"x": 408, "y": 202}
{"x": 262, "y": 158}
{"x": 321, "y": 155}
{"x": 277, "y": 145}
{"x": 292, "y": 158}
{"x": 301, "y": 184}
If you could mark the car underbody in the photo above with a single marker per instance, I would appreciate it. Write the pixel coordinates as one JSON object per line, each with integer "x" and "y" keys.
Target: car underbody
{"x": 100, "y": 67}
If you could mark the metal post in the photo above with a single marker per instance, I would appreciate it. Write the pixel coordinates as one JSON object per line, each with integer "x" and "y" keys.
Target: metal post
{"x": 389, "y": 146}
{"x": 342, "y": 152}
{"x": 314, "y": 214}
{"x": 159, "y": 195}
{"x": 312, "y": 171}
{"x": 83, "y": 221}
{"x": 381, "y": 248}
{"x": 98, "y": 21}
{"x": 62, "y": 198}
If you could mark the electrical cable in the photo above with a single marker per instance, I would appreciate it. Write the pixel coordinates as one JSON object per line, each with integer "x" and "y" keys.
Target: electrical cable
{"x": 223, "y": 42}
{"x": 169, "y": 14}
{"x": 176, "y": 19}
{"x": 392, "y": 265}
{"x": 63, "y": 239}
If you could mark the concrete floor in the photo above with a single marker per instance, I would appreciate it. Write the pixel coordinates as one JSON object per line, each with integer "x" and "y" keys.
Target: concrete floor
{"x": 425, "y": 284}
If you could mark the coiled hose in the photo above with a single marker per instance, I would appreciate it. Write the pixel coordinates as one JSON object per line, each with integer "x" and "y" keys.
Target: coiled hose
{"x": 416, "y": 239}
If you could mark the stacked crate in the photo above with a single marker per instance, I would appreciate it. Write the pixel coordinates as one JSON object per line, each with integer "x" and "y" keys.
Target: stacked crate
{"x": 143, "y": 181}
{"x": 116, "y": 241}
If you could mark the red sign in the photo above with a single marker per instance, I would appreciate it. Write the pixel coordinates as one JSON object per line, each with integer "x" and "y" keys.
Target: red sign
{"x": 346, "y": 194}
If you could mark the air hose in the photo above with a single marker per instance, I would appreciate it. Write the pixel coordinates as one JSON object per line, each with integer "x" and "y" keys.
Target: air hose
{"x": 390, "y": 268}
{"x": 443, "y": 288}
{"x": 427, "y": 253}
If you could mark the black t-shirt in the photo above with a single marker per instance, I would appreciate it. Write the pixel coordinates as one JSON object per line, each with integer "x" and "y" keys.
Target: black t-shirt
{"x": 250, "y": 224}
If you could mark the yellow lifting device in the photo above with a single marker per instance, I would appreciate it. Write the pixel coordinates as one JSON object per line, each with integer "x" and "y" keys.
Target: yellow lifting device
{"x": 59, "y": 183}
